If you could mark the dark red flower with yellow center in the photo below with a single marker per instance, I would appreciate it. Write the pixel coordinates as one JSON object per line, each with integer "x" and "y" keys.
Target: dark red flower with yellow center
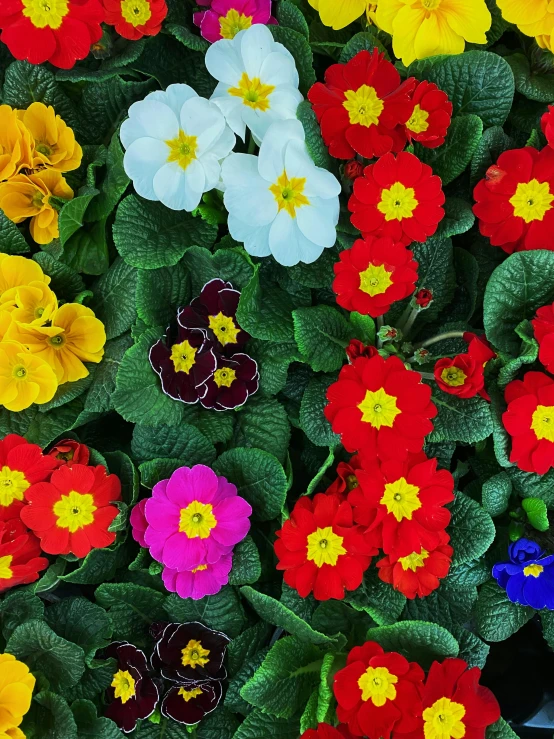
{"x": 346, "y": 477}
{"x": 134, "y": 19}
{"x": 190, "y": 652}
{"x": 379, "y": 693}
{"x": 547, "y": 125}
{"x": 431, "y": 116}
{"x": 70, "y": 452}
{"x": 362, "y": 107}
{"x": 57, "y": 31}
{"x": 461, "y": 375}
{"x": 543, "y": 326}
{"x": 357, "y": 348}
{"x": 529, "y": 420}
{"x": 189, "y": 703}
{"x": 380, "y": 407}
{"x": 20, "y": 560}
{"x": 398, "y": 197}
{"x": 403, "y": 503}
{"x": 515, "y": 201}
{"x": 71, "y": 514}
{"x": 373, "y": 274}
{"x": 234, "y": 380}
{"x": 321, "y": 550}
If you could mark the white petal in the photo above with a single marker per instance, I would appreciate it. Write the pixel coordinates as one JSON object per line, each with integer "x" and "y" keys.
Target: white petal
{"x": 223, "y": 61}
{"x": 256, "y": 44}
{"x": 232, "y": 108}
{"x": 279, "y": 69}
{"x": 255, "y": 205}
{"x": 175, "y": 96}
{"x": 225, "y": 144}
{"x": 180, "y": 189}
{"x": 285, "y": 101}
{"x": 141, "y": 162}
{"x": 241, "y": 170}
{"x": 254, "y": 238}
{"x": 288, "y": 245}
{"x": 212, "y": 170}
{"x": 272, "y": 151}
{"x": 319, "y": 182}
{"x": 316, "y": 223}
{"x": 204, "y": 120}
{"x": 258, "y": 121}
{"x": 149, "y": 118}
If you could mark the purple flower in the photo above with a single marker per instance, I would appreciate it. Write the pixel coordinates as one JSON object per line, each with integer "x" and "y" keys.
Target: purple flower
{"x": 188, "y": 704}
{"x": 138, "y": 523}
{"x": 528, "y": 578}
{"x": 204, "y": 580}
{"x": 190, "y": 653}
{"x": 225, "y": 18}
{"x": 234, "y": 380}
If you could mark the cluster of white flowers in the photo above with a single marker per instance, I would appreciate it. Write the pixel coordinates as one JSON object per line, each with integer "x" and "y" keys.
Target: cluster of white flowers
{"x": 178, "y": 146}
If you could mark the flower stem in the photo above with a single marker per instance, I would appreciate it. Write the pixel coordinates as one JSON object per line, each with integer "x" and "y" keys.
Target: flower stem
{"x": 440, "y": 337}
{"x": 410, "y": 320}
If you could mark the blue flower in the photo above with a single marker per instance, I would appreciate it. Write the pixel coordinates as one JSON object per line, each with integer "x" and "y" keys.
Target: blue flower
{"x": 528, "y": 577}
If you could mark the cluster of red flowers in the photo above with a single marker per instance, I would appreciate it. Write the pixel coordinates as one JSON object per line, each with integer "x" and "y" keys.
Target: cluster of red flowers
{"x": 464, "y": 374}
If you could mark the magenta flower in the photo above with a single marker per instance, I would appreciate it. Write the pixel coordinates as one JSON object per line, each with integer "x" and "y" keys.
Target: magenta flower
{"x": 225, "y": 18}
{"x": 194, "y": 518}
{"x": 203, "y": 580}
{"x": 139, "y": 524}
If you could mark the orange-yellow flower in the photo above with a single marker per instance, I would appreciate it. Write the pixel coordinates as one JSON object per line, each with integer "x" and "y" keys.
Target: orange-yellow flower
{"x": 16, "y": 691}
{"x": 54, "y": 141}
{"x": 15, "y": 144}
{"x": 24, "y": 378}
{"x": 16, "y": 271}
{"x": 34, "y": 303}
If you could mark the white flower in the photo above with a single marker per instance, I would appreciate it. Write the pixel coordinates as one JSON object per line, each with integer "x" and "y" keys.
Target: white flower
{"x": 279, "y": 202}
{"x": 175, "y": 141}
{"x": 258, "y": 81}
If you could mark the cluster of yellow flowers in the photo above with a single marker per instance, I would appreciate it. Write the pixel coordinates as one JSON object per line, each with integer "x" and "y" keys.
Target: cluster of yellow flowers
{"x": 42, "y": 345}
{"x": 16, "y": 691}
{"x": 36, "y": 146}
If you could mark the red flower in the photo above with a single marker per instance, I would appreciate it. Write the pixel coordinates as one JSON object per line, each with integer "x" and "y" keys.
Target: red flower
{"x": 353, "y": 169}
{"x": 461, "y": 375}
{"x": 479, "y": 348}
{"x": 431, "y": 116}
{"x": 362, "y": 107}
{"x": 324, "y": 731}
{"x": 547, "y": 125}
{"x": 515, "y": 201}
{"x": 529, "y": 420}
{"x": 21, "y": 465}
{"x": 59, "y": 32}
{"x": 403, "y": 503}
{"x": 20, "y": 560}
{"x": 357, "y": 349}
{"x": 380, "y": 407}
{"x": 70, "y": 452}
{"x": 71, "y": 513}
{"x": 346, "y": 477}
{"x": 373, "y": 274}
{"x": 543, "y": 326}
{"x": 321, "y": 550}
{"x": 398, "y": 197}
{"x": 424, "y": 298}
{"x": 419, "y": 572}
{"x": 379, "y": 692}
{"x": 134, "y": 19}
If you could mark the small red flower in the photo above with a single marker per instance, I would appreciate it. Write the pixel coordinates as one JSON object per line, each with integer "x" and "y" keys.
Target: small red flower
{"x": 357, "y": 348}
{"x": 479, "y": 348}
{"x": 353, "y": 169}
{"x": 59, "y": 32}
{"x": 379, "y": 692}
{"x": 320, "y": 549}
{"x": 71, "y": 514}
{"x": 380, "y": 407}
{"x": 134, "y": 19}
{"x": 461, "y": 375}
{"x": 424, "y": 298}
{"x": 70, "y": 452}
{"x": 547, "y": 125}
{"x": 529, "y": 420}
{"x": 324, "y": 731}
{"x": 20, "y": 560}
{"x": 373, "y": 274}
{"x": 515, "y": 201}
{"x": 346, "y": 477}
{"x": 431, "y": 116}
{"x": 398, "y": 197}
{"x": 362, "y": 107}
{"x": 543, "y": 326}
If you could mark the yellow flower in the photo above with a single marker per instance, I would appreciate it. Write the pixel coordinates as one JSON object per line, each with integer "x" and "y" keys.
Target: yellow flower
{"x": 422, "y": 28}
{"x": 532, "y": 17}
{"x": 339, "y": 13}
{"x": 15, "y": 144}
{"x": 74, "y": 336}
{"x": 28, "y": 196}
{"x": 54, "y": 141}
{"x": 16, "y": 271}
{"x": 13, "y": 733}
{"x": 24, "y": 378}
{"x": 16, "y": 692}
{"x": 33, "y": 304}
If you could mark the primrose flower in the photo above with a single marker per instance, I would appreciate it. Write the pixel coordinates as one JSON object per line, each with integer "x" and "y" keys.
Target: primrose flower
{"x": 132, "y": 694}
{"x": 339, "y": 13}
{"x": 207, "y": 579}
{"x": 528, "y": 578}
{"x": 53, "y": 140}
{"x": 226, "y": 18}
{"x": 15, "y": 143}
{"x": 21, "y": 465}
{"x": 134, "y": 19}
{"x": 24, "y": 378}
{"x": 16, "y": 691}
{"x": 533, "y": 18}
{"x": 190, "y": 652}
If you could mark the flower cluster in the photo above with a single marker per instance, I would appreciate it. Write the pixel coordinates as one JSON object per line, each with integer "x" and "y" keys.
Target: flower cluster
{"x": 528, "y": 578}
{"x": 191, "y": 524}
{"x": 223, "y": 19}
{"x": 464, "y": 374}
{"x": 16, "y": 691}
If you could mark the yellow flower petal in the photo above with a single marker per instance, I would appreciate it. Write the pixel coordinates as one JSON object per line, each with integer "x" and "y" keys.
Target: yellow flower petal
{"x": 25, "y": 379}
{"x": 54, "y": 141}
{"x": 16, "y": 271}
{"x": 16, "y": 691}
{"x": 387, "y": 11}
{"x": 470, "y": 19}
{"x": 435, "y": 36}
{"x": 340, "y": 13}
{"x": 406, "y": 26}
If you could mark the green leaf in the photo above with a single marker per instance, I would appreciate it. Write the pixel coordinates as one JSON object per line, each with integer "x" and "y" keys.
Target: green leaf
{"x": 496, "y": 493}
{"x": 71, "y": 216}
{"x": 537, "y": 515}
{"x": 315, "y": 481}
{"x": 471, "y": 529}
{"x": 11, "y": 239}
{"x": 232, "y": 265}
{"x": 26, "y": 83}
{"x": 312, "y": 421}
{"x": 364, "y": 41}
{"x": 530, "y": 485}
{"x": 325, "y": 699}
{"x": 246, "y": 645}
{"x": 233, "y": 700}
{"x": 533, "y": 86}
{"x": 98, "y": 566}
{"x": 132, "y": 609}
{"x": 299, "y": 47}
{"x": 89, "y": 725}
{"x": 81, "y": 622}
{"x": 247, "y": 568}
{"x": 160, "y": 292}
{"x": 180, "y": 442}
{"x": 114, "y": 298}
{"x": 18, "y": 607}
{"x": 66, "y": 282}
{"x": 263, "y": 424}
{"x": 94, "y": 681}
{"x": 418, "y": 641}
{"x": 315, "y": 144}
{"x": 69, "y": 390}
{"x": 113, "y": 186}
{"x": 99, "y": 396}
{"x": 377, "y": 599}
{"x": 220, "y": 724}
{"x": 46, "y": 426}
{"x": 457, "y": 220}
{"x": 322, "y": 335}
{"x": 472, "y": 649}
{"x": 450, "y": 160}
{"x": 222, "y": 611}
{"x": 500, "y": 730}
{"x": 87, "y": 250}
{"x": 154, "y": 470}
{"x": 51, "y": 717}
{"x": 460, "y": 419}
{"x": 497, "y": 618}
{"x": 449, "y": 605}
{"x": 528, "y": 354}
{"x": 493, "y": 143}
{"x": 290, "y": 16}
{"x": 259, "y": 725}
{"x": 186, "y": 37}
{"x": 273, "y": 361}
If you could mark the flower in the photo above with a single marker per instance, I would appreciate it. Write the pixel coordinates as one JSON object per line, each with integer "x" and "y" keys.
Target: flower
{"x": 138, "y": 522}
{"x": 373, "y": 274}
{"x": 528, "y": 578}
{"x": 70, "y": 452}
{"x": 357, "y": 348}
{"x": 479, "y": 348}
{"x": 132, "y": 695}
{"x": 206, "y": 579}
{"x": 529, "y": 420}
{"x": 34, "y": 303}
{"x": 16, "y": 271}
{"x": 190, "y": 653}
{"x": 547, "y": 121}
{"x": 398, "y": 197}
{"x": 53, "y": 140}
{"x": 280, "y": 203}
{"x": 543, "y": 326}
{"x": 234, "y": 380}
{"x": 534, "y": 18}
{"x": 226, "y": 18}
{"x": 194, "y": 518}
{"x": 423, "y": 28}
{"x": 378, "y": 692}
{"x": 16, "y": 691}
{"x": 134, "y": 19}
{"x": 15, "y": 144}
{"x": 20, "y": 560}
{"x": 431, "y": 115}
{"x": 461, "y": 375}
{"x": 362, "y": 106}
{"x": 24, "y": 378}
{"x": 74, "y": 336}
{"x": 381, "y": 407}
{"x": 71, "y": 514}
{"x": 353, "y": 169}
{"x": 514, "y": 202}
{"x": 174, "y": 143}
{"x": 324, "y": 731}
{"x": 60, "y": 32}
{"x": 189, "y": 703}
{"x": 257, "y": 81}
{"x": 21, "y": 465}
{"x": 346, "y": 477}
{"x": 28, "y": 196}
{"x": 339, "y": 13}
{"x": 320, "y": 549}
{"x": 423, "y": 298}
{"x": 454, "y": 704}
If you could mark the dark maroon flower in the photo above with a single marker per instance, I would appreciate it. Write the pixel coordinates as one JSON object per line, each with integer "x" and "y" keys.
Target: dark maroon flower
{"x": 353, "y": 169}
{"x": 70, "y": 452}
{"x": 184, "y": 359}
{"x": 423, "y": 297}
{"x": 190, "y": 653}
{"x": 132, "y": 695}
{"x": 188, "y": 704}
{"x": 232, "y": 382}
{"x": 357, "y": 348}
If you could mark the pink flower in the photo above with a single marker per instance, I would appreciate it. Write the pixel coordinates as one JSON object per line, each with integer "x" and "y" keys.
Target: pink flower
{"x": 139, "y": 524}
{"x": 194, "y": 518}
{"x": 203, "y": 580}
{"x": 225, "y": 18}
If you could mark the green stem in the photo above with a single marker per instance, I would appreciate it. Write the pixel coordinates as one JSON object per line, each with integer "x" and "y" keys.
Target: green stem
{"x": 406, "y": 328}
{"x": 426, "y": 375}
{"x": 251, "y": 145}
{"x": 440, "y": 337}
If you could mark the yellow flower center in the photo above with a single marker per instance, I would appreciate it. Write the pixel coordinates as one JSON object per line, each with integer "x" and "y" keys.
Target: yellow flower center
{"x": 74, "y": 511}
{"x": 377, "y": 684}
{"x": 182, "y": 149}
{"x": 443, "y": 720}
{"x": 289, "y": 194}
{"x": 200, "y": 568}
{"x": 194, "y": 654}
{"x": 19, "y": 372}
{"x": 57, "y": 341}
{"x": 197, "y": 520}
{"x": 123, "y": 684}
{"x": 224, "y": 328}
{"x": 453, "y": 376}
{"x": 532, "y": 200}
{"x": 401, "y": 499}
{"x": 543, "y": 422}
{"x": 45, "y": 13}
{"x": 533, "y": 570}
{"x": 5, "y": 569}
{"x": 414, "y": 560}
{"x": 364, "y": 106}
{"x": 234, "y": 22}
{"x": 253, "y": 92}
{"x": 397, "y": 202}
{"x": 375, "y": 280}
{"x": 225, "y": 377}
{"x": 43, "y": 149}
{"x": 37, "y": 201}
{"x": 418, "y": 121}
{"x": 378, "y": 408}
{"x": 136, "y": 12}
{"x": 325, "y": 547}
{"x": 183, "y": 356}
{"x": 189, "y": 694}
{"x": 351, "y": 482}
{"x": 13, "y": 485}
